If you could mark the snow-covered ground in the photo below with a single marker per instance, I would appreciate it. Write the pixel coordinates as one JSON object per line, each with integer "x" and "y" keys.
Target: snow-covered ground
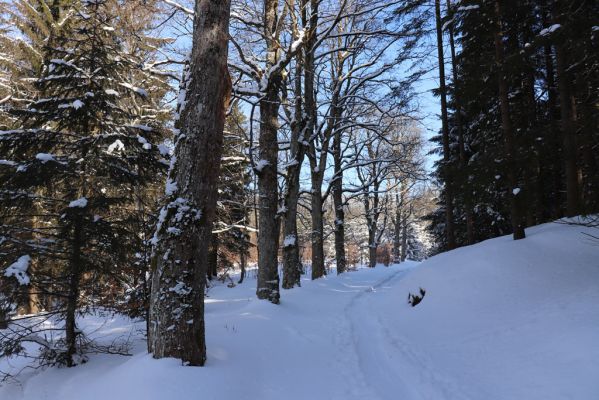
{"x": 500, "y": 320}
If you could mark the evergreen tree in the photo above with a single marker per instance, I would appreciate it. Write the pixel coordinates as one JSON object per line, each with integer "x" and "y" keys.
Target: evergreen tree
{"x": 72, "y": 169}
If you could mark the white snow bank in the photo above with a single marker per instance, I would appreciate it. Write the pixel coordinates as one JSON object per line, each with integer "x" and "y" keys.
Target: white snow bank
{"x": 504, "y": 319}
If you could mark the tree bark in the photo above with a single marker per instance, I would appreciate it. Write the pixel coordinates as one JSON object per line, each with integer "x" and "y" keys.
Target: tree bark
{"x": 317, "y": 164}
{"x": 397, "y": 229}
{"x": 177, "y": 299}
{"x": 337, "y": 192}
{"x": 566, "y": 101}
{"x": 508, "y": 133}
{"x": 292, "y": 265}
{"x": 461, "y": 144}
{"x": 268, "y": 191}
{"x": 75, "y": 271}
{"x": 242, "y": 265}
{"x": 449, "y": 226}
{"x": 555, "y": 178}
{"x": 212, "y": 270}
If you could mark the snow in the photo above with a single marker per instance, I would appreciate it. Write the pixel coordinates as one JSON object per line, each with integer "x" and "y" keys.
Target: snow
{"x": 550, "y": 30}
{"x": 164, "y": 149}
{"x": 117, "y": 146}
{"x": 500, "y": 320}
{"x": 468, "y": 8}
{"x": 298, "y": 42}
{"x": 261, "y": 164}
{"x": 144, "y": 142}
{"x": 44, "y": 157}
{"x": 171, "y": 187}
{"x": 18, "y": 269}
{"x": 138, "y": 90}
{"x": 289, "y": 241}
{"x": 79, "y": 203}
{"x": 515, "y": 191}
{"x": 77, "y": 104}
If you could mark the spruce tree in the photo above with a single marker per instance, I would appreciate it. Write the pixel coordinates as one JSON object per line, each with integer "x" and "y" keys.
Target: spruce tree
{"x": 72, "y": 169}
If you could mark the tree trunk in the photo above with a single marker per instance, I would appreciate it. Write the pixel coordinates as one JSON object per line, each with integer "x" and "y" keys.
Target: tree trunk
{"x": 372, "y": 245}
{"x": 397, "y": 230}
{"x": 242, "y": 266}
{"x": 213, "y": 257}
{"x": 318, "y": 267}
{"x": 555, "y": 178}
{"x": 268, "y": 202}
{"x": 317, "y": 164}
{"x": 177, "y": 299}
{"x": 404, "y": 238}
{"x": 449, "y": 226}
{"x": 292, "y": 266}
{"x": 568, "y": 132}
{"x": 75, "y": 270}
{"x": 461, "y": 144}
{"x": 508, "y": 133}
{"x": 337, "y": 192}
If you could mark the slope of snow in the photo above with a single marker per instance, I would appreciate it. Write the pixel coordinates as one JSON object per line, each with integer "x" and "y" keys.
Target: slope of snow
{"x": 500, "y": 320}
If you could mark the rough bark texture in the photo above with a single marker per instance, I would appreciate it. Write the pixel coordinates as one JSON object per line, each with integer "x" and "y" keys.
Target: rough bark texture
{"x": 460, "y": 128}
{"x": 268, "y": 202}
{"x": 317, "y": 164}
{"x": 75, "y": 271}
{"x": 555, "y": 180}
{"x": 176, "y": 326}
{"x": 449, "y": 226}
{"x": 337, "y": 192}
{"x": 569, "y": 133}
{"x": 397, "y": 229}
{"x": 212, "y": 269}
{"x": 292, "y": 266}
{"x": 508, "y": 133}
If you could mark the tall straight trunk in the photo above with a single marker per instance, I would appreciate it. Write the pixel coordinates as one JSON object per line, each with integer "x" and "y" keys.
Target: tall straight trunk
{"x": 75, "y": 271}
{"x": 404, "y": 237}
{"x": 460, "y": 129}
{"x": 590, "y": 187}
{"x": 292, "y": 266}
{"x": 566, "y": 101}
{"x": 555, "y": 178}
{"x": 397, "y": 229}
{"x": 268, "y": 191}
{"x": 404, "y": 215}
{"x": 449, "y": 226}
{"x": 371, "y": 207}
{"x": 372, "y": 245}
{"x": 316, "y": 214}
{"x": 337, "y": 192}
{"x": 508, "y": 133}
{"x": 212, "y": 269}
{"x": 242, "y": 266}
{"x": 317, "y": 164}
{"x": 181, "y": 254}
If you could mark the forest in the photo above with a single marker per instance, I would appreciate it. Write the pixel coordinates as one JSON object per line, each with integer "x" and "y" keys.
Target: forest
{"x": 157, "y": 154}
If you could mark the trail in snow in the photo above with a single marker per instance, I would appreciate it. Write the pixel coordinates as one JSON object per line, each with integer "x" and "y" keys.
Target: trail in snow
{"x": 392, "y": 366}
